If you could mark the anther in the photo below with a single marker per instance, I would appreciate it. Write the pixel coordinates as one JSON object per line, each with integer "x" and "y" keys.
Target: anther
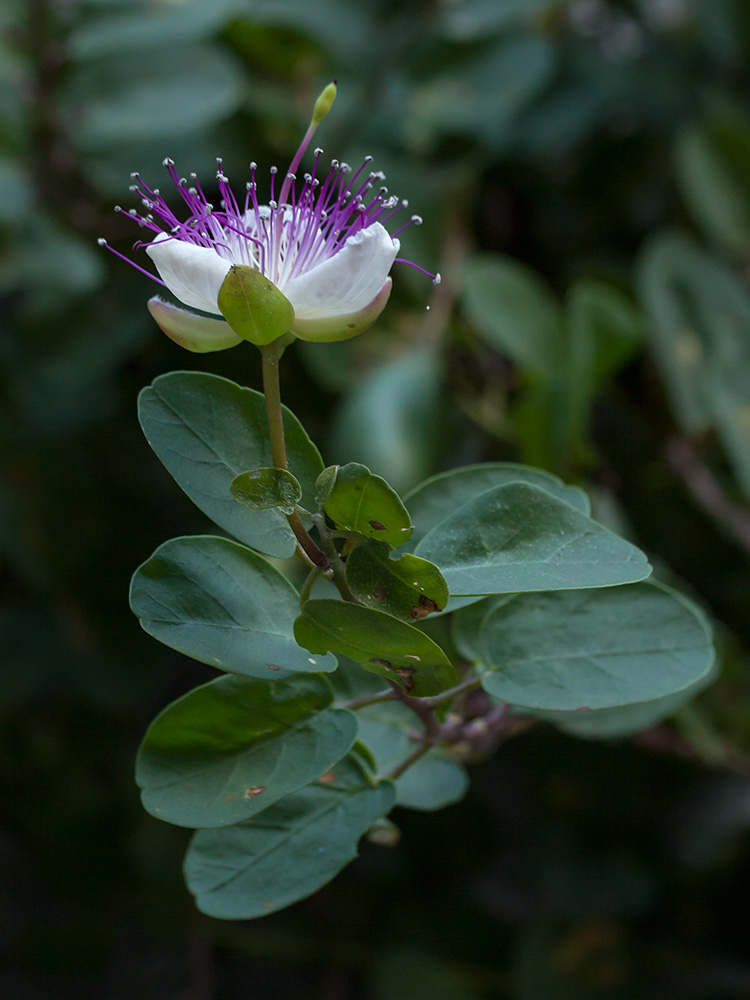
{"x": 102, "y": 242}
{"x": 167, "y": 162}
{"x": 437, "y": 279}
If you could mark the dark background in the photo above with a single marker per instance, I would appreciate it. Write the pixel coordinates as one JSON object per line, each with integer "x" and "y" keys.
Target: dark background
{"x": 568, "y": 135}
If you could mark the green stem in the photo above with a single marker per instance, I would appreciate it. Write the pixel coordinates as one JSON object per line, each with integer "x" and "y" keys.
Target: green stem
{"x": 337, "y": 567}
{"x": 272, "y": 389}
{"x": 307, "y": 586}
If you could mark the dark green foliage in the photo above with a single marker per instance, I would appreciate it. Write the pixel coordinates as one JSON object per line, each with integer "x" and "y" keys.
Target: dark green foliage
{"x": 593, "y": 160}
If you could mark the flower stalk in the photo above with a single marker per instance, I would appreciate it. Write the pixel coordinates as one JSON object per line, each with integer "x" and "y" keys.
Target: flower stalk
{"x": 272, "y": 392}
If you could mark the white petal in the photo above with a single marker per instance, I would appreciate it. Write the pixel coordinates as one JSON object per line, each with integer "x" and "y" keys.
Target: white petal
{"x": 347, "y": 282}
{"x": 193, "y": 274}
{"x": 342, "y": 327}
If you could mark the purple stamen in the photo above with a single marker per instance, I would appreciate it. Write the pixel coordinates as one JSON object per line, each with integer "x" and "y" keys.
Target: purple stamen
{"x": 308, "y": 224}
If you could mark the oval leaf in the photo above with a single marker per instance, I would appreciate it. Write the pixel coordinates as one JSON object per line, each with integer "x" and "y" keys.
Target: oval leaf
{"x": 378, "y": 642}
{"x": 518, "y": 538}
{"x": 206, "y": 430}
{"x": 289, "y": 850}
{"x": 266, "y": 488}
{"x": 222, "y": 604}
{"x": 580, "y": 650}
{"x": 408, "y": 587}
{"x": 614, "y": 723}
{"x": 364, "y": 503}
{"x": 437, "y": 498}
{"x": 229, "y": 749}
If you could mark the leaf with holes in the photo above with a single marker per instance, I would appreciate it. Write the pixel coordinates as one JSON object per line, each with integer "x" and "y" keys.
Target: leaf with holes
{"x": 408, "y": 587}
{"x": 378, "y": 642}
{"x": 361, "y": 502}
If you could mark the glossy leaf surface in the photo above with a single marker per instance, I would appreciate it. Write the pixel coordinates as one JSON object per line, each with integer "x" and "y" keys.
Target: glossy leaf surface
{"x": 378, "y": 642}
{"x": 581, "y": 650}
{"x": 222, "y": 604}
{"x": 364, "y": 503}
{"x": 408, "y": 587}
{"x": 263, "y": 489}
{"x": 614, "y": 723}
{"x": 207, "y": 430}
{"x": 518, "y": 537}
{"x": 437, "y": 498}
{"x": 231, "y": 748}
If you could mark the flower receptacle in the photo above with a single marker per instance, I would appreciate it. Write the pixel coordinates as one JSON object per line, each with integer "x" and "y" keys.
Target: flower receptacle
{"x": 253, "y": 306}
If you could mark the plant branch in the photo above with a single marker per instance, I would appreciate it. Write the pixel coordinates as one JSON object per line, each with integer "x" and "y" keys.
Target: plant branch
{"x": 334, "y": 559}
{"x": 445, "y": 697}
{"x": 707, "y": 491}
{"x": 367, "y": 699}
{"x": 272, "y": 390}
{"x": 408, "y": 761}
{"x": 424, "y": 711}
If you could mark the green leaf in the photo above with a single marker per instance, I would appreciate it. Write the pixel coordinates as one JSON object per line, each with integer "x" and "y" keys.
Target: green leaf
{"x": 365, "y": 504}
{"x": 713, "y": 167}
{"x": 134, "y": 96}
{"x": 222, "y": 604}
{"x": 437, "y": 498}
{"x": 290, "y": 849}
{"x": 692, "y": 302}
{"x": 227, "y": 750}
{"x": 324, "y": 485}
{"x": 434, "y": 781}
{"x": 518, "y": 537}
{"x": 263, "y": 489}
{"x": 604, "y": 331}
{"x": 515, "y": 312}
{"x": 378, "y": 642}
{"x": 408, "y": 587}
{"x": 466, "y": 626}
{"x": 207, "y": 430}
{"x": 614, "y": 723}
{"x": 253, "y": 306}
{"x": 581, "y": 650}
{"x": 393, "y": 419}
{"x": 728, "y": 386}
